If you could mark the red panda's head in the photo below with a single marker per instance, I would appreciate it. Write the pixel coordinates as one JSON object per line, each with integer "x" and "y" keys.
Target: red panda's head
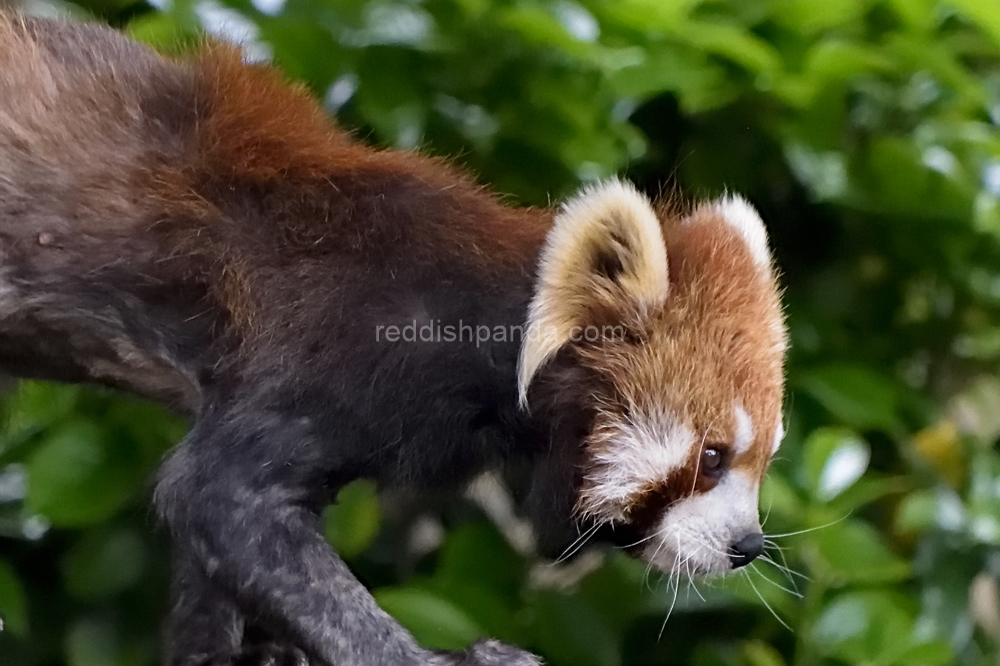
{"x": 669, "y": 332}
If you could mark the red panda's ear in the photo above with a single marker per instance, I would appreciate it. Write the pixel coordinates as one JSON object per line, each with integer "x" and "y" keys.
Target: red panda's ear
{"x": 744, "y": 219}
{"x": 605, "y": 251}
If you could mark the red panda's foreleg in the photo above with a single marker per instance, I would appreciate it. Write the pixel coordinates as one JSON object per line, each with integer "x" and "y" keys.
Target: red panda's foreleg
{"x": 250, "y": 523}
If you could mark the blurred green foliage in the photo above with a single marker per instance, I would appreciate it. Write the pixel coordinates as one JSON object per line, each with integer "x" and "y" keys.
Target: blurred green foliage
{"x": 866, "y": 131}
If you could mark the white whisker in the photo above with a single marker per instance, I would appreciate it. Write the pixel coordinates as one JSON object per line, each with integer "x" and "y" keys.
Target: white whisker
{"x": 811, "y": 529}
{"x": 772, "y": 544}
{"x": 784, "y": 568}
{"x": 691, "y": 580}
{"x": 673, "y": 602}
{"x": 794, "y": 593}
{"x": 767, "y": 514}
{"x": 578, "y": 543}
{"x": 640, "y": 541}
{"x": 649, "y": 565}
{"x": 764, "y": 601}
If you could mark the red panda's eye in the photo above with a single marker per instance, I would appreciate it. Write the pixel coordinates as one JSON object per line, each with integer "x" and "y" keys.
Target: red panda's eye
{"x": 713, "y": 461}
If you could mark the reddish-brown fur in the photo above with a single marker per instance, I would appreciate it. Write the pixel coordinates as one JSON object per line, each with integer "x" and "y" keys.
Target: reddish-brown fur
{"x": 717, "y": 342}
{"x": 257, "y": 129}
{"x": 735, "y": 308}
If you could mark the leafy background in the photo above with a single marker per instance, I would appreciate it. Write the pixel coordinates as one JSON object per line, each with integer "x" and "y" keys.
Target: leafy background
{"x": 866, "y": 133}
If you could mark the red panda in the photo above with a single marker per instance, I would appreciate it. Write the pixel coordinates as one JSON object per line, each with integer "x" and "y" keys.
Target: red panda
{"x": 198, "y": 232}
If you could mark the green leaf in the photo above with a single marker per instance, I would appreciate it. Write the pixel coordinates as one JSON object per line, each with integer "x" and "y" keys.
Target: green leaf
{"x": 352, "y": 523}
{"x": 434, "y": 621}
{"x": 81, "y": 476}
{"x": 807, "y": 17}
{"x": 477, "y": 551}
{"x": 856, "y": 395}
{"x": 571, "y": 632}
{"x": 646, "y": 15}
{"x": 484, "y": 604}
{"x": 834, "y": 459}
{"x": 159, "y": 31}
{"x": 617, "y": 590}
{"x": 149, "y": 427}
{"x": 895, "y": 176}
{"x": 733, "y": 42}
{"x": 874, "y": 627}
{"x": 919, "y": 14}
{"x": 983, "y": 12}
{"x": 779, "y": 499}
{"x": 700, "y": 84}
{"x": 93, "y": 641}
{"x": 13, "y": 603}
{"x": 480, "y": 573}
{"x": 918, "y": 511}
{"x": 951, "y": 588}
{"x": 856, "y": 627}
{"x": 390, "y": 95}
{"x": 838, "y": 60}
{"x": 102, "y": 563}
{"x": 929, "y": 653}
{"x": 868, "y": 490}
{"x": 28, "y": 410}
{"x": 538, "y": 26}
{"x": 851, "y": 551}
{"x": 759, "y": 653}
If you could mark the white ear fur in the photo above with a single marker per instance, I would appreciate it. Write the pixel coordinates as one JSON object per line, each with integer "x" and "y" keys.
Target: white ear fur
{"x": 741, "y": 216}
{"x": 609, "y": 221}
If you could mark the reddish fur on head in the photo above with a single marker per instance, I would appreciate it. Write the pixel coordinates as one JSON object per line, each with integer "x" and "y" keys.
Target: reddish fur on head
{"x": 697, "y": 365}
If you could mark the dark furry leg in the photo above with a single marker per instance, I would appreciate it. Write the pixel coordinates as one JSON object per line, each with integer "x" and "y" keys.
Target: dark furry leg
{"x": 203, "y": 622}
{"x": 206, "y": 628}
{"x": 236, "y": 494}
{"x": 486, "y": 653}
{"x": 237, "y": 491}
{"x": 262, "y": 655}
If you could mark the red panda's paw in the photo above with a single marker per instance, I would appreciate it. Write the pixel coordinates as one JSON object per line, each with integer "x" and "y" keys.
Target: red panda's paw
{"x": 487, "y": 653}
{"x": 261, "y": 655}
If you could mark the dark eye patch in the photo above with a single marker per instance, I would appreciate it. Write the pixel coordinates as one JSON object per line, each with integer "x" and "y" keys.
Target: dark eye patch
{"x": 702, "y": 472}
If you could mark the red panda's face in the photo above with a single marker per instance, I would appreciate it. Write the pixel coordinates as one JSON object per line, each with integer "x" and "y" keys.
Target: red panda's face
{"x": 678, "y": 320}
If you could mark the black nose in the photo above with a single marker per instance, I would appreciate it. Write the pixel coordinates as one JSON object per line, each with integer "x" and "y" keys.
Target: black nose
{"x": 746, "y": 550}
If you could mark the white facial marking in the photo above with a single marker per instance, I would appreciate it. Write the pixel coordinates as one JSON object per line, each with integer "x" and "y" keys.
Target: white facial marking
{"x": 743, "y": 437}
{"x": 637, "y": 455}
{"x": 696, "y": 533}
{"x": 779, "y": 434}
{"x": 740, "y": 215}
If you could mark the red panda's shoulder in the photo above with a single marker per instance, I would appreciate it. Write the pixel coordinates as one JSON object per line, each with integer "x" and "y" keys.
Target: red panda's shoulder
{"x": 257, "y": 126}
